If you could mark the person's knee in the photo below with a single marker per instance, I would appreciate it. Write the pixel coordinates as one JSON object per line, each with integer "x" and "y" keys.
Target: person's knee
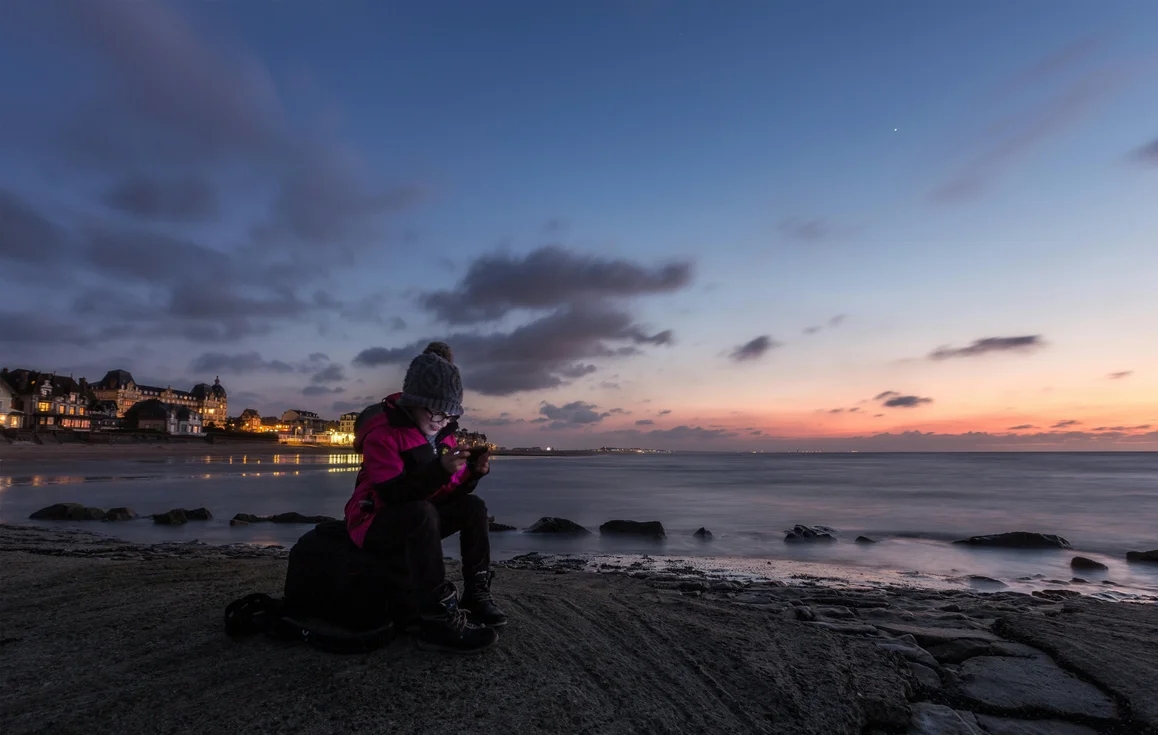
{"x": 421, "y": 516}
{"x": 474, "y": 505}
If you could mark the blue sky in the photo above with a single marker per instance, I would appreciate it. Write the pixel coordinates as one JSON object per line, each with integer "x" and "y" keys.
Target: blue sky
{"x": 267, "y": 190}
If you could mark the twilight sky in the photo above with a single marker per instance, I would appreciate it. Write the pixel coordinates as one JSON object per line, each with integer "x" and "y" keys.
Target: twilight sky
{"x": 748, "y": 225}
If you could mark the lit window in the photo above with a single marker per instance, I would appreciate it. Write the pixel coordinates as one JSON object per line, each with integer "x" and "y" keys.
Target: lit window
{"x": 81, "y": 410}
{"x": 72, "y": 410}
{"x": 43, "y": 407}
{"x": 60, "y": 409}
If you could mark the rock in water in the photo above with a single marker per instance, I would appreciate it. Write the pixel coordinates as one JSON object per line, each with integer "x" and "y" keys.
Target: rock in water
{"x": 67, "y": 512}
{"x": 810, "y": 533}
{"x": 249, "y": 518}
{"x": 199, "y": 514}
{"x": 1081, "y": 562}
{"x": 646, "y": 529}
{"x": 937, "y": 719}
{"x": 1142, "y": 555}
{"x": 236, "y": 522}
{"x": 500, "y": 527}
{"x": 175, "y": 517}
{"x": 547, "y": 524}
{"x": 865, "y": 540}
{"x": 120, "y": 514}
{"x": 1018, "y": 540}
{"x": 299, "y": 518}
{"x": 703, "y": 534}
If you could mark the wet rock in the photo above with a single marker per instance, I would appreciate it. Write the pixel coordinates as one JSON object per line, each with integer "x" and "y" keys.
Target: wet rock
{"x": 976, "y": 580}
{"x": 936, "y": 719}
{"x": 910, "y": 651}
{"x": 249, "y": 518}
{"x": 68, "y": 512}
{"x": 1079, "y": 580}
{"x": 1030, "y": 685}
{"x": 498, "y": 527}
{"x": 703, "y": 534}
{"x": 120, "y": 514}
{"x": 1018, "y": 540}
{"x": 926, "y": 677}
{"x": 955, "y": 652}
{"x": 644, "y": 529}
{"x": 865, "y": 540}
{"x": 175, "y": 517}
{"x": 1056, "y": 594}
{"x": 858, "y": 602}
{"x": 805, "y": 613}
{"x": 810, "y": 533}
{"x": 929, "y": 636}
{"x": 1009, "y": 726}
{"x": 835, "y": 611}
{"x": 845, "y": 628}
{"x": 1151, "y": 556}
{"x": 548, "y": 524}
{"x": 1016, "y": 650}
{"x": 726, "y": 586}
{"x": 199, "y": 514}
{"x": 1081, "y": 562}
{"x": 238, "y": 522}
{"x": 299, "y": 518}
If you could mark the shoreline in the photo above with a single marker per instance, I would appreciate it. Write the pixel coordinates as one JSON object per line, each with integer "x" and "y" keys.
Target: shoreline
{"x": 118, "y": 628}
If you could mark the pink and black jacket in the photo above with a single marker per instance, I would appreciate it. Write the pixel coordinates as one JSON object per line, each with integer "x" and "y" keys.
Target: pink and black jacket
{"x": 399, "y": 465}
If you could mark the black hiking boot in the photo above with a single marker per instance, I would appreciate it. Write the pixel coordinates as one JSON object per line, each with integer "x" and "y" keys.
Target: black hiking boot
{"x": 445, "y": 627}
{"x": 477, "y": 601}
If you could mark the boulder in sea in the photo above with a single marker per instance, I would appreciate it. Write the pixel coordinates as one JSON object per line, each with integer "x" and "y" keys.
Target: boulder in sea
{"x": 236, "y": 522}
{"x": 120, "y": 514}
{"x": 1081, "y": 562}
{"x": 1142, "y": 555}
{"x": 68, "y": 512}
{"x": 299, "y": 518}
{"x": 250, "y": 518}
{"x": 810, "y": 533}
{"x": 547, "y": 524}
{"x": 865, "y": 540}
{"x": 645, "y": 529}
{"x": 500, "y": 527}
{"x": 703, "y": 534}
{"x": 1018, "y": 540}
{"x": 199, "y": 514}
{"x": 175, "y": 517}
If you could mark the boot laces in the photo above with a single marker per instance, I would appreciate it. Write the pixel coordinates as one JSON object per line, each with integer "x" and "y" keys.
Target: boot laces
{"x": 481, "y": 590}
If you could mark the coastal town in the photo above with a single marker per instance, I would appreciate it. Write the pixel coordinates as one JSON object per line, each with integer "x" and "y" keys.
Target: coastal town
{"x": 48, "y": 408}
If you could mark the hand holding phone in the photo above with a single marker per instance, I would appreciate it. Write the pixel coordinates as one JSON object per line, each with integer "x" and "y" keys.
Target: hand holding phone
{"x": 480, "y": 461}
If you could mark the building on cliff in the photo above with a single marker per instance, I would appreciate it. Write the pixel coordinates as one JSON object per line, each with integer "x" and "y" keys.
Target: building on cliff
{"x": 210, "y": 401}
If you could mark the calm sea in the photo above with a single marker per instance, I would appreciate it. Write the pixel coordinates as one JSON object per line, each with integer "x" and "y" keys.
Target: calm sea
{"x": 1105, "y": 504}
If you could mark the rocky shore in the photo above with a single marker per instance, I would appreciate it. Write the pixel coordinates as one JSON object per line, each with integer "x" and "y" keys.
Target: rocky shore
{"x": 117, "y": 630}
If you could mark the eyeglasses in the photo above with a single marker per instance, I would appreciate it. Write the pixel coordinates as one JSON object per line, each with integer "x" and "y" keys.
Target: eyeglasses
{"x": 440, "y": 417}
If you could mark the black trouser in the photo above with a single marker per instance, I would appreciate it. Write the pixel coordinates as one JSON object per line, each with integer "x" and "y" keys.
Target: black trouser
{"x": 417, "y": 529}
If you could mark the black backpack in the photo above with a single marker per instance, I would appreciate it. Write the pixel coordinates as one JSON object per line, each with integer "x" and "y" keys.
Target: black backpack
{"x": 337, "y": 597}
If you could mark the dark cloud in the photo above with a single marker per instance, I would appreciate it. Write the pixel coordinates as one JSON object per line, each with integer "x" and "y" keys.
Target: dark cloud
{"x": 664, "y": 412}
{"x": 318, "y": 357}
{"x": 812, "y": 330}
{"x": 645, "y": 422}
{"x": 570, "y": 414}
{"x": 25, "y": 234}
{"x": 836, "y": 410}
{"x": 609, "y": 385}
{"x": 33, "y": 328}
{"x": 1147, "y": 154}
{"x": 169, "y": 117}
{"x": 546, "y": 353}
{"x": 1022, "y": 427}
{"x": 238, "y": 364}
{"x": 500, "y": 421}
{"x": 692, "y": 433}
{"x": 753, "y": 349}
{"x": 547, "y": 278}
{"x": 329, "y": 374}
{"x": 185, "y": 199}
{"x": 341, "y": 407}
{"x": 1142, "y": 427}
{"x": 886, "y": 394}
{"x": 906, "y": 401}
{"x": 1065, "y": 424}
{"x": 988, "y": 345}
{"x": 756, "y": 433}
{"x": 620, "y": 412}
{"x": 1120, "y": 375}
{"x": 321, "y": 390}
{"x": 833, "y": 323}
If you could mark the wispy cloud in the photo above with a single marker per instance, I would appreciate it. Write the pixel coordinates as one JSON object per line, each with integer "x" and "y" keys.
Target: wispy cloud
{"x": 989, "y": 345}
{"x": 1066, "y": 424}
{"x": 753, "y": 349}
{"x": 1120, "y": 375}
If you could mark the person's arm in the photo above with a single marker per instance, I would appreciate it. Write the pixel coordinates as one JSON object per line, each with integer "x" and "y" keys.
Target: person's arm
{"x": 384, "y": 467}
{"x": 475, "y": 470}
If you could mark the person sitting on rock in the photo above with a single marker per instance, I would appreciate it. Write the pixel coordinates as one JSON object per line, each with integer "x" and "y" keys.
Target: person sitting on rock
{"x": 414, "y": 489}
